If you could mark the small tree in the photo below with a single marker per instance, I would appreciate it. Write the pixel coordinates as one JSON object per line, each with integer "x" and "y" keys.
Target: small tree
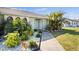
{"x": 55, "y": 22}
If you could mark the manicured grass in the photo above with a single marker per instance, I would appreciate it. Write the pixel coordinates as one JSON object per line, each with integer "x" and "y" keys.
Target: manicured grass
{"x": 68, "y": 38}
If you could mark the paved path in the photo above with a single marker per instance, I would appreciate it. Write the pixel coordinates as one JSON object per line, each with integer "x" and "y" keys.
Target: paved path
{"x": 46, "y": 36}
{"x": 49, "y": 43}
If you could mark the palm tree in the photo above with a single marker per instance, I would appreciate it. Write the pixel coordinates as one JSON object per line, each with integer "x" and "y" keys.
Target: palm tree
{"x": 55, "y": 16}
{"x": 55, "y": 20}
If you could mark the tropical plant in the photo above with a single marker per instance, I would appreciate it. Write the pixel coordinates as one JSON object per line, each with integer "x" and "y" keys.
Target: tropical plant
{"x": 18, "y": 25}
{"x": 28, "y": 27}
{"x": 33, "y": 44}
{"x": 23, "y": 28}
{"x": 2, "y": 24}
{"x": 55, "y": 22}
{"x": 12, "y": 39}
{"x": 9, "y": 26}
{"x": 21, "y": 25}
{"x": 24, "y": 36}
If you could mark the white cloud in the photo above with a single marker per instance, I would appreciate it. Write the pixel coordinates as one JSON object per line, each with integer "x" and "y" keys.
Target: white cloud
{"x": 41, "y": 9}
{"x": 44, "y": 11}
{"x": 13, "y": 8}
{"x": 72, "y": 16}
{"x": 17, "y": 8}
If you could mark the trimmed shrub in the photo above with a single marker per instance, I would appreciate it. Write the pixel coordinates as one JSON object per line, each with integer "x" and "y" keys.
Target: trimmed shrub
{"x": 12, "y": 40}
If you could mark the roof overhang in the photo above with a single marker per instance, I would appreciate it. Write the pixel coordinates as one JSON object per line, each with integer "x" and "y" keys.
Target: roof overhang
{"x": 10, "y": 11}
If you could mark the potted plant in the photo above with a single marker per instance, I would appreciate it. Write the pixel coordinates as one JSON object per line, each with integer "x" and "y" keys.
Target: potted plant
{"x": 24, "y": 38}
{"x": 24, "y": 45}
{"x": 33, "y": 44}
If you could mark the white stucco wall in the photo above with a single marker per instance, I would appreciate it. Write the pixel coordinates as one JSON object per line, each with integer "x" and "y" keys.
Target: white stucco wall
{"x": 45, "y": 23}
{"x": 42, "y": 24}
{"x": 66, "y": 25}
{"x": 72, "y": 24}
{"x": 32, "y": 21}
{"x": 78, "y": 23}
{"x": 5, "y": 17}
{"x": 38, "y": 24}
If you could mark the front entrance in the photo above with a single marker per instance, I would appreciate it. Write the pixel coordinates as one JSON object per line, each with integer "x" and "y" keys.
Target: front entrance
{"x": 38, "y": 24}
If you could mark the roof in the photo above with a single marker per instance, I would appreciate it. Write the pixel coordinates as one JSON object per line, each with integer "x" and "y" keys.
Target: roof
{"x": 67, "y": 19}
{"x": 11, "y": 11}
{"x": 77, "y": 20}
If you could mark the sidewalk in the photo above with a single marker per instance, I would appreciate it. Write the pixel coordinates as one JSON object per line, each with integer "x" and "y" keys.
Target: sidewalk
{"x": 50, "y": 44}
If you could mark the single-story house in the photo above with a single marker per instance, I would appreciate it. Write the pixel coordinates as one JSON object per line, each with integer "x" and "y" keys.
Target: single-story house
{"x": 36, "y": 21}
{"x": 71, "y": 22}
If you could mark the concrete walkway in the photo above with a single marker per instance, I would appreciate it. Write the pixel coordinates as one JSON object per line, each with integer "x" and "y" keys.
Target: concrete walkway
{"x": 49, "y": 43}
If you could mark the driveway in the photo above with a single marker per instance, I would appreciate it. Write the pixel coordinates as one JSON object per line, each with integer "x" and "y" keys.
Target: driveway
{"x": 49, "y": 43}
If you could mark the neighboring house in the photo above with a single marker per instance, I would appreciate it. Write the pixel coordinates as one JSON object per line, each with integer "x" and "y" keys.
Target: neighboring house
{"x": 74, "y": 23}
{"x": 71, "y": 22}
{"x": 36, "y": 21}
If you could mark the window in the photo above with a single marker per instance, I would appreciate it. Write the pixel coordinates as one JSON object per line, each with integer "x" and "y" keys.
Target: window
{"x": 17, "y": 18}
{"x": 9, "y": 19}
{"x": 25, "y": 19}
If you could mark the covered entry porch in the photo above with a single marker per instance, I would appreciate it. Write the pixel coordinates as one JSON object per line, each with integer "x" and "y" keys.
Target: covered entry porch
{"x": 40, "y": 24}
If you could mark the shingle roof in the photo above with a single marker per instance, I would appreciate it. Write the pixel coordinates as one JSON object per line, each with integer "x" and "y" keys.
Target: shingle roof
{"x": 11, "y": 11}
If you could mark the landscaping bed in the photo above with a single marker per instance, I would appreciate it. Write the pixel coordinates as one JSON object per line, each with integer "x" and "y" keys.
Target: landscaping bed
{"x": 27, "y": 45}
{"x": 19, "y": 36}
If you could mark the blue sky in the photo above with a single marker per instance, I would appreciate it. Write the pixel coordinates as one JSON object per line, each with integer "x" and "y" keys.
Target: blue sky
{"x": 69, "y": 12}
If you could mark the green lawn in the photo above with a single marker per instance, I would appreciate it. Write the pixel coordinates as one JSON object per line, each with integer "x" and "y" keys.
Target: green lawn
{"x": 68, "y": 38}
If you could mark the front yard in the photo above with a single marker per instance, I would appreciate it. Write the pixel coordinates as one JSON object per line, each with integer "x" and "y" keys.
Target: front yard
{"x": 68, "y": 38}
{"x": 18, "y": 35}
